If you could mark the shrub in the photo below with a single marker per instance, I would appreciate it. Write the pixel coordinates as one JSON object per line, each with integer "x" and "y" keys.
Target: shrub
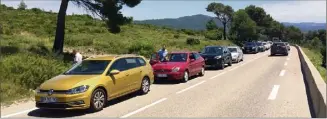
{"x": 36, "y": 10}
{"x": 141, "y": 48}
{"x": 213, "y": 35}
{"x": 176, "y": 36}
{"x": 192, "y": 41}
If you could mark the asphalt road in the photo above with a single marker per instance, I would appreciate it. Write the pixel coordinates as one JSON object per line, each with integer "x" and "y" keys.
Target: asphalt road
{"x": 260, "y": 86}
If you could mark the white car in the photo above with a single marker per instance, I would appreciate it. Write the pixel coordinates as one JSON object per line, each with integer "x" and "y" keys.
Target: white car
{"x": 267, "y": 46}
{"x": 237, "y": 53}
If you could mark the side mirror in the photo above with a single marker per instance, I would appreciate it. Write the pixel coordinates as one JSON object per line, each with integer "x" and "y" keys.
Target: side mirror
{"x": 225, "y": 51}
{"x": 192, "y": 60}
{"x": 114, "y": 72}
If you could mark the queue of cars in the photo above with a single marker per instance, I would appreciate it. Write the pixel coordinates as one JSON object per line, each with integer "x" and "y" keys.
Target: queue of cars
{"x": 91, "y": 83}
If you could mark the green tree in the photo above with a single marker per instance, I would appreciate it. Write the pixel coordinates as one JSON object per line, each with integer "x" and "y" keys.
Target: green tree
{"x": 243, "y": 28}
{"x": 223, "y": 13}
{"x": 22, "y": 5}
{"x": 107, "y": 10}
{"x": 293, "y": 34}
{"x": 211, "y": 25}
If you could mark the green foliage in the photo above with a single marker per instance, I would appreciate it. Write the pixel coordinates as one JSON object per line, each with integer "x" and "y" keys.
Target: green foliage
{"x": 192, "y": 41}
{"x": 316, "y": 58}
{"x": 141, "y": 48}
{"x": 211, "y": 25}
{"x": 214, "y": 34}
{"x": 223, "y": 12}
{"x": 243, "y": 27}
{"x": 22, "y": 5}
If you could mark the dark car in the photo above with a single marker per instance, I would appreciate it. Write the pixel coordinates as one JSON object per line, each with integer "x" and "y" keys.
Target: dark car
{"x": 261, "y": 46}
{"x": 216, "y": 56}
{"x": 279, "y": 48}
{"x": 250, "y": 47}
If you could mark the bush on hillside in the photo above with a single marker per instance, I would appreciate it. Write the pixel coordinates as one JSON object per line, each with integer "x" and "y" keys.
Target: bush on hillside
{"x": 213, "y": 35}
{"x": 176, "y": 36}
{"x": 37, "y": 10}
{"x": 141, "y": 48}
{"x": 192, "y": 41}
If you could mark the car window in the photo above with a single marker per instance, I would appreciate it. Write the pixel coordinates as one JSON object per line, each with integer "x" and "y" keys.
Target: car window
{"x": 88, "y": 67}
{"x": 177, "y": 57}
{"x": 141, "y": 61}
{"x": 192, "y": 56}
{"x": 120, "y": 65}
{"x": 233, "y": 49}
{"x": 212, "y": 50}
{"x": 132, "y": 63}
{"x": 197, "y": 56}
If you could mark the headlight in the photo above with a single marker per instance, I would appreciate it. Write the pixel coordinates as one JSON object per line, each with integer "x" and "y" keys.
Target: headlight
{"x": 175, "y": 69}
{"x": 218, "y": 57}
{"x": 79, "y": 89}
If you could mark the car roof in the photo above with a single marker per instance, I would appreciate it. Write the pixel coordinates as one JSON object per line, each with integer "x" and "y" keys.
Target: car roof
{"x": 182, "y": 52}
{"x": 232, "y": 47}
{"x": 215, "y": 46}
{"x": 112, "y": 57}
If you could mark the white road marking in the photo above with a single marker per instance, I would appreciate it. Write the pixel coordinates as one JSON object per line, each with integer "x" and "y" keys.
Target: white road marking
{"x": 273, "y": 93}
{"x": 285, "y": 63}
{"x": 233, "y": 68}
{"x": 282, "y": 73}
{"x": 18, "y": 113}
{"x": 218, "y": 75}
{"x": 190, "y": 87}
{"x": 143, "y": 108}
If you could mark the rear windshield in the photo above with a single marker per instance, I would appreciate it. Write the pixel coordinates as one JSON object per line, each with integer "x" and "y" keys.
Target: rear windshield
{"x": 259, "y": 43}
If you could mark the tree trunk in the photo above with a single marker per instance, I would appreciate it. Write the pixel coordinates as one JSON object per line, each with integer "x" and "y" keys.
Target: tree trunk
{"x": 224, "y": 34}
{"x": 58, "y": 44}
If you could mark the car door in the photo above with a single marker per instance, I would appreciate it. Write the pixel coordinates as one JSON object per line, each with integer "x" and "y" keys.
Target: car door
{"x": 240, "y": 53}
{"x": 225, "y": 55}
{"x": 192, "y": 64}
{"x": 119, "y": 80}
{"x": 134, "y": 71}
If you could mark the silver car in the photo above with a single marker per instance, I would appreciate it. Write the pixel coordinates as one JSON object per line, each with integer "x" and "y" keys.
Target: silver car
{"x": 237, "y": 53}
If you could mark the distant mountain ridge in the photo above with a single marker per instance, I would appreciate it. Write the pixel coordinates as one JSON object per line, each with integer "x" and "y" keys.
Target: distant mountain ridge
{"x": 198, "y": 22}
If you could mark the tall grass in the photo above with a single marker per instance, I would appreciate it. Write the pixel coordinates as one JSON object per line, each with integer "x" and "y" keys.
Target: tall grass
{"x": 316, "y": 59}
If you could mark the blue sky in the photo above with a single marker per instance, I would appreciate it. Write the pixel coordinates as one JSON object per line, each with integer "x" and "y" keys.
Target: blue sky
{"x": 283, "y": 11}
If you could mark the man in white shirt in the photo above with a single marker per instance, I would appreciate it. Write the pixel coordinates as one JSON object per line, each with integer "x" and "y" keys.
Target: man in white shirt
{"x": 78, "y": 57}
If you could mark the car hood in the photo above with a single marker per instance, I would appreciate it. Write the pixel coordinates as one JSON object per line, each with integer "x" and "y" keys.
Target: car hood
{"x": 65, "y": 82}
{"x": 169, "y": 65}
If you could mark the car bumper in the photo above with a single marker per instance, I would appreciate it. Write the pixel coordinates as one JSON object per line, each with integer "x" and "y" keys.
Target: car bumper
{"x": 234, "y": 59}
{"x": 170, "y": 75}
{"x": 279, "y": 52}
{"x": 249, "y": 50}
{"x": 64, "y": 101}
{"x": 212, "y": 62}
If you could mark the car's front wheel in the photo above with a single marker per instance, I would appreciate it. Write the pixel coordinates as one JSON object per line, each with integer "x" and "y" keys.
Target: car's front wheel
{"x": 221, "y": 65}
{"x": 230, "y": 62}
{"x": 202, "y": 71}
{"x": 185, "y": 77}
{"x": 98, "y": 100}
{"x": 145, "y": 86}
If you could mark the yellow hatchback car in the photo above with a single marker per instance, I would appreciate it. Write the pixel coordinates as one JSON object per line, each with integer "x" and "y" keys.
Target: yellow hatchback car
{"x": 94, "y": 81}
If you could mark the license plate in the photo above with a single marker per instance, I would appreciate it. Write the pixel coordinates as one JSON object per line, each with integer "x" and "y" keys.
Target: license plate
{"x": 48, "y": 99}
{"x": 162, "y": 75}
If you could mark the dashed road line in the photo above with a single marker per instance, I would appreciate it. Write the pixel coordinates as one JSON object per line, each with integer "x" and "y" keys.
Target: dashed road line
{"x": 282, "y": 73}
{"x": 273, "y": 93}
{"x": 143, "y": 108}
{"x": 190, "y": 87}
{"x": 285, "y": 63}
{"x": 218, "y": 75}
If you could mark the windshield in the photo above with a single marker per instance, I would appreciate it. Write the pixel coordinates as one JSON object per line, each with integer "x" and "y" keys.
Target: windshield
{"x": 212, "y": 50}
{"x": 177, "y": 57}
{"x": 232, "y": 49}
{"x": 282, "y": 44}
{"x": 88, "y": 67}
{"x": 250, "y": 44}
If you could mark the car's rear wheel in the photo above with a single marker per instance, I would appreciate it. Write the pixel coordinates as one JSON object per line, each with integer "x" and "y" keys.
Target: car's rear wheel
{"x": 98, "y": 100}
{"x": 185, "y": 77}
{"x": 202, "y": 71}
{"x": 145, "y": 86}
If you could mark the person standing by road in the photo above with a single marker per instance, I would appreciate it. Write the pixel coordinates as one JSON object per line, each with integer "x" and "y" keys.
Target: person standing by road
{"x": 78, "y": 57}
{"x": 162, "y": 53}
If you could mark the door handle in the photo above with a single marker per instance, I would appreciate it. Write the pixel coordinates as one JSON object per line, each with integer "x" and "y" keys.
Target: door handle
{"x": 127, "y": 74}
{"x": 141, "y": 71}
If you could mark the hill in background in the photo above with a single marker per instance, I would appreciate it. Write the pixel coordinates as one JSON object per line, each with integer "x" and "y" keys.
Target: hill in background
{"x": 198, "y": 22}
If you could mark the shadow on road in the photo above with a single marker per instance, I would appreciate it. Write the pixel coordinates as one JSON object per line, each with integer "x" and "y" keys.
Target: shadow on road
{"x": 277, "y": 55}
{"x": 74, "y": 113}
{"x": 171, "y": 81}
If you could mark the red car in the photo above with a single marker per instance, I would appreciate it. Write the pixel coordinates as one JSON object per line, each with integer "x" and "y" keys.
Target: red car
{"x": 179, "y": 66}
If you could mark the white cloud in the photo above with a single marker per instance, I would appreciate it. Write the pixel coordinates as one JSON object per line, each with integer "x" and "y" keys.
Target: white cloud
{"x": 297, "y": 11}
